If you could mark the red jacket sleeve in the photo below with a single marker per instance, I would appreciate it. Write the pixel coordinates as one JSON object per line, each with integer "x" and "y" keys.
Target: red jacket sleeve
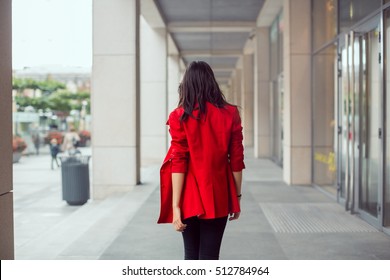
{"x": 179, "y": 144}
{"x": 236, "y": 149}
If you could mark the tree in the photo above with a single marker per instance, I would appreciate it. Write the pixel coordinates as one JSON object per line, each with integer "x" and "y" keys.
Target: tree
{"x": 47, "y": 86}
{"x": 36, "y": 102}
{"x": 50, "y": 86}
{"x": 21, "y": 84}
{"x": 57, "y": 102}
{"x": 55, "y": 97}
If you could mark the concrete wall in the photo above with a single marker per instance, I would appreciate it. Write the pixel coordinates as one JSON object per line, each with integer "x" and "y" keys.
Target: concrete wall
{"x": 6, "y": 195}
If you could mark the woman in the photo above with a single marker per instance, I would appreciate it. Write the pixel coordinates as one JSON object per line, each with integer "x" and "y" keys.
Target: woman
{"x": 202, "y": 172}
{"x": 71, "y": 139}
{"x": 54, "y": 151}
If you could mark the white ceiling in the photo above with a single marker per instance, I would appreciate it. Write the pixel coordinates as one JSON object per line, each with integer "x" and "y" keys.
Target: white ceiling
{"x": 214, "y": 31}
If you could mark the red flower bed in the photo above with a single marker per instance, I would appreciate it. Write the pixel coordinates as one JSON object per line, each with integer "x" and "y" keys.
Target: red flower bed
{"x": 54, "y": 134}
{"x": 85, "y": 136}
{"x": 18, "y": 144}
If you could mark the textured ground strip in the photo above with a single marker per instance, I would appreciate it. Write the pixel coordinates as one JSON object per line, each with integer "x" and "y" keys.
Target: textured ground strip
{"x": 312, "y": 218}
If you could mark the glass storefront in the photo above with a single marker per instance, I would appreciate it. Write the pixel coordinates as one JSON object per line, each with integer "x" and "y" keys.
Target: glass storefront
{"x": 359, "y": 120}
{"x": 350, "y": 104}
{"x": 324, "y": 141}
{"x": 324, "y": 88}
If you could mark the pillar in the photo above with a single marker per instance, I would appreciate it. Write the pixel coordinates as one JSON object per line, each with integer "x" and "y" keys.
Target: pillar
{"x": 225, "y": 88}
{"x": 247, "y": 98}
{"x": 115, "y": 97}
{"x": 237, "y": 87}
{"x": 6, "y": 195}
{"x": 174, "y": 78}
{"x": 228, "y": 90}
{"x": 262, "y": 130}
{"x": 297, "y": 159}
{"x": 230, "y": 98}
{"x": 153, "y": 92}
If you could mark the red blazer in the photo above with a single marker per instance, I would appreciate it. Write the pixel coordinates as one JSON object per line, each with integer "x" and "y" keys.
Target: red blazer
{"x": 207, "y": 150}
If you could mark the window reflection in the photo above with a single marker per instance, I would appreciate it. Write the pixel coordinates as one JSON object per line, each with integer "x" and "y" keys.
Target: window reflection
{"x": 324, "y": 117}
{"x": 352, "y": 11}
{"x": 324, "y": 21}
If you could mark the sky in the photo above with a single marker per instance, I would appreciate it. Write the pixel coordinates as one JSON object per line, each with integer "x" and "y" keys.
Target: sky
{"x": 51, "y": 33}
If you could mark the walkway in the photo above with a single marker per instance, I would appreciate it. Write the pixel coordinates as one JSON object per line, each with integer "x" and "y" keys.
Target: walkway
{"x": 277, "y": 221}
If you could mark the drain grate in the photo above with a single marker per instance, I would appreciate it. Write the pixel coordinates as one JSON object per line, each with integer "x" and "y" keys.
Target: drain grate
{"x": 312, "y": 218}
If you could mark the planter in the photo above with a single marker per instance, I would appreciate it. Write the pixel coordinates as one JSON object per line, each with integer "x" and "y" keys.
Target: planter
{"x": 16, "y": 156}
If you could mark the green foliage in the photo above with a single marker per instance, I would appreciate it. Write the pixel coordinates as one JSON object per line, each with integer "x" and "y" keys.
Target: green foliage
{"x": 58, "y": 103}
{"x": 50, "y": 86}
{"x": 37, "y": 103}
{"x": 22, "y": 84}
{"x": 74, "y": 100}
{"x": 55, "y": 97}
{"x": 47, "y": 87}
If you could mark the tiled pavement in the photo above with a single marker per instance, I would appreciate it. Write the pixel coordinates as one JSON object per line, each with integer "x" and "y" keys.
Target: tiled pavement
{"x": 277, "y": 221}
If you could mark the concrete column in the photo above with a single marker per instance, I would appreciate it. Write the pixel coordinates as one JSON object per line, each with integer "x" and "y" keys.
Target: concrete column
{"x": 262, "y": 130}
{"x": 237, "y": 88}
{"x": 115, "y": 97}
{"x": 225, "y": 89}
{"x": 174, "y": 78}
{"x": 247, "y": 98}
{"x": 228, "y": 91}
{"x": 153, "y": 92}
{"x": 297, "y": 159}
{"x": 231, "y": 98}
{"x": 6, "y": 195}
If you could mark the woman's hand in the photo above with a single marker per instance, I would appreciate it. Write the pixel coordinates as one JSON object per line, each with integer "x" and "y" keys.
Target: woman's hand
{"x": 177, "y": 223}
{"x": 234, "y": 216}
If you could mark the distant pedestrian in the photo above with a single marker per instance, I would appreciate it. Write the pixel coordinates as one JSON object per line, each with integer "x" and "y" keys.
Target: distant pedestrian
{"x": 71, "y": 141}
{"x": 36, "y": 140}
{"x": 202, "y": 173}
{"x": 54, "y": 150}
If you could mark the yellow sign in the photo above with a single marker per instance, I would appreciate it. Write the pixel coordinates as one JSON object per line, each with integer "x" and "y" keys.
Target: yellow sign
{"x": 327, "y": 159}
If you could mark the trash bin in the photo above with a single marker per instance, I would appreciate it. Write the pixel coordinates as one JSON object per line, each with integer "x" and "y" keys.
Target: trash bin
{"x": 75, "y": 179}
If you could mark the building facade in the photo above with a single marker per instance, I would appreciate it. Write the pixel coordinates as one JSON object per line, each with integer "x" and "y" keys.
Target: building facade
{"x": 310, "y": 78}
{"x": 346, "y": 78}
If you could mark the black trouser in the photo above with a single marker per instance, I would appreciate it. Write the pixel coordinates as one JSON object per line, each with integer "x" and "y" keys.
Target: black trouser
{"x": 203, "y": 237}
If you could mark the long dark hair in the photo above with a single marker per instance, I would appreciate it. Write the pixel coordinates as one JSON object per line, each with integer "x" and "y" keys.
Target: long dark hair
{"x": 197, "y": 87}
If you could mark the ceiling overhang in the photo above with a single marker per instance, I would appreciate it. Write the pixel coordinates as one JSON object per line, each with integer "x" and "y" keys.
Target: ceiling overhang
{"x": 213, "y": 31}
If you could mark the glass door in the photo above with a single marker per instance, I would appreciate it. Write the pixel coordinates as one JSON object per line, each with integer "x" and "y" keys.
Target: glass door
{"x": 344, "y": 108}
{"x": 369, "y": 123}
{"x": 346, "y": 122}
{"x": 386, "y": 198}
{"x": 359, "y": 122}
